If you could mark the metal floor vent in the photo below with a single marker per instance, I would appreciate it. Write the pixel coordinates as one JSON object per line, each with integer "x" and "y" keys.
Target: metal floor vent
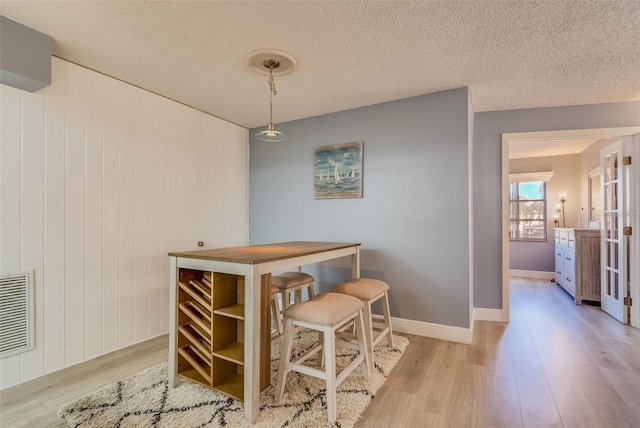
{"x": 16, "y": 313}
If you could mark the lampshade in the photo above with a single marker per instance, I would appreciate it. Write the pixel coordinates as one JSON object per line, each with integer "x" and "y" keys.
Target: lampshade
{"x": 270, "y": 134}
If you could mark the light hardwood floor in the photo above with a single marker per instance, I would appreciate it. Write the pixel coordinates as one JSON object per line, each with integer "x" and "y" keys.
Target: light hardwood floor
{"x": 35, "y": 404}
{"x": 554, "y": 364}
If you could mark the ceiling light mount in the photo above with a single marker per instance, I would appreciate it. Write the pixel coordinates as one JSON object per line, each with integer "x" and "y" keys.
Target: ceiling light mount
{"x": 268, "y": 62}
{"x": 286, "y": 62}
{"x": 271, "y": 64}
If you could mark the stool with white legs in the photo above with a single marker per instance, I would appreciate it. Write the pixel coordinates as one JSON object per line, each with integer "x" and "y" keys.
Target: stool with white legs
{"x": 293, "y": 282}
{"x": 325, "y": 313}
{"x": 370, "y": 290}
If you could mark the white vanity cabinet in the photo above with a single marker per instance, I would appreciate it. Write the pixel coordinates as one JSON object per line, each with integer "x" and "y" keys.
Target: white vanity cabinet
{"x": 577, "y": 267}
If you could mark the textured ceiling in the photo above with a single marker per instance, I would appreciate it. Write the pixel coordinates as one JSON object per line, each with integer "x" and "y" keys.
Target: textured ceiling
{"x": 533, "y": 149}
{"x": 511, "y": 55}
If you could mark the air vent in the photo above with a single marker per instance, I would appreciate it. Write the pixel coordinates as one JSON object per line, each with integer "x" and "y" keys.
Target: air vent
{"x": 16, "y": 313}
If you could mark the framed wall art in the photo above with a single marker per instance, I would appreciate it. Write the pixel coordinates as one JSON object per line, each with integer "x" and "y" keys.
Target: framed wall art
{"x": 337, "y": 171}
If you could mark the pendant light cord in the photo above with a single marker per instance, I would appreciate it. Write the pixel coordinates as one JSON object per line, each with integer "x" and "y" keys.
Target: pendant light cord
{"x": 272, "y": 93}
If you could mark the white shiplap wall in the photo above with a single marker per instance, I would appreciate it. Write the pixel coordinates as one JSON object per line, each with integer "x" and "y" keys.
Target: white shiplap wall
{"x": 99, "y": 181}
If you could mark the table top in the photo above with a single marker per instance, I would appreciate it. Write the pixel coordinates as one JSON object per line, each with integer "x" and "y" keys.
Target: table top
{"x": 255, "y": 254}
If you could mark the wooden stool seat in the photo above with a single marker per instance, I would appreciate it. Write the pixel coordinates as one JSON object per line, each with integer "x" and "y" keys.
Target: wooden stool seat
{"x": 327, "y": 309}
{"x": 369, "y": 291}
{"x": 325, "y": 313}
{"x": 289, "y": 280}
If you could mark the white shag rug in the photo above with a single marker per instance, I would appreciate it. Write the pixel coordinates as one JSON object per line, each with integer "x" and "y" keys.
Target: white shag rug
{"x": 145, "y": 400}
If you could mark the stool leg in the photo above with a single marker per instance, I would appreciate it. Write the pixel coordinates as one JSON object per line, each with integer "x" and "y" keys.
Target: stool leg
{"x": 275, "y": 310}
{"x": 330, "y": 373}
{"x": 362, "y": 345}
{"x": 286, "y": 300}
{"x": 368, "y": 328}
{"x": 320, "y": 356}
{"x": 285, "y": 356}
{"x": 310, "y": 291}
{"x": 387, "y": 318}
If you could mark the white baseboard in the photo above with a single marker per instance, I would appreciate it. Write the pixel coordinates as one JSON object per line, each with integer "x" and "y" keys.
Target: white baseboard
{"x": 486, "y": 314}
{"x": 426, "y": 329}
{"x": 443, "y": 332}
{"x": 532, "y": 274}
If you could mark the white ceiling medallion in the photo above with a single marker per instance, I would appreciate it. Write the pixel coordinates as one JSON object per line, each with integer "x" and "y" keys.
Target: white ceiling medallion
{"x": 287, "y": 62}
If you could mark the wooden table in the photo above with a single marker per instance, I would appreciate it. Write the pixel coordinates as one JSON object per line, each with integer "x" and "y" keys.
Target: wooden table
{"x": 254, "y": 264}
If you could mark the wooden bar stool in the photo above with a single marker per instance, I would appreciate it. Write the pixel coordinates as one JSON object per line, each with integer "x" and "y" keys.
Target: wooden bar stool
{"x": 370, "y": 290}
{"x": 293, "y": 282}
{"x": 325, "y": 313}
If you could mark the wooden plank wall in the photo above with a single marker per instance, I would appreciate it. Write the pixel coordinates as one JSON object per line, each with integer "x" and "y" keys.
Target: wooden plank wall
{"x": 99, "y": 181}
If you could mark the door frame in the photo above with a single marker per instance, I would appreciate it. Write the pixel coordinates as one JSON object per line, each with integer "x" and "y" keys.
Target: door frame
{"x": 504, "y": 191}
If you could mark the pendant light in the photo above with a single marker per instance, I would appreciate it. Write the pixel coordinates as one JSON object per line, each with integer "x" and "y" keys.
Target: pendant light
{"x": 270, "y": 134}
{"x": 271, "y": 62}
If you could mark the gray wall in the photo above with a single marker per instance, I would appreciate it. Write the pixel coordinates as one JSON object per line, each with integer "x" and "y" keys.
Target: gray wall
{"x": 488, "y": 128}
{"x": 413, "y": 220}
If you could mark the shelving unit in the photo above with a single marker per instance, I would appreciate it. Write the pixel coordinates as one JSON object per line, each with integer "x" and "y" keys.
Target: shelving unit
{"x": 210, "y": 330}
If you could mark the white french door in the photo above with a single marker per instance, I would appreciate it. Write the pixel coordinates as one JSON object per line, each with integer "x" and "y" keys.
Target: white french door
{"x": 615, "y": 200}
{"x": 633, "y": 220}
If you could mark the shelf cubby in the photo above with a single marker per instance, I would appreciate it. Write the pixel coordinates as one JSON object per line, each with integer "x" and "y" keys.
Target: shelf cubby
{"x": 211, "y": 330}
{"x": 228, "y": 378}
{"x": 235, "y": 310}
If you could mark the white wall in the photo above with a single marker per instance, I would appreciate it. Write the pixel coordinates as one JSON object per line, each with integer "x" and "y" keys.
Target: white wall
{"x": 99, "y": 181}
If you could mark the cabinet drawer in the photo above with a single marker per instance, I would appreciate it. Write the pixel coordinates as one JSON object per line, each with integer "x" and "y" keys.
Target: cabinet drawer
{"x": 571, "y": 240}
{"x": 557, "y": 236}
{"x": 564, "y": 237}
{"x": 569, "y": 258}
{"x": 569, "y": 281}
{"x": 558, "y": 274}
{"x": 559, "y": 254}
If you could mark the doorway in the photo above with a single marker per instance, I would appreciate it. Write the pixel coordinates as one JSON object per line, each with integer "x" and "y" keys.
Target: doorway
{"x": 507, "y": 138}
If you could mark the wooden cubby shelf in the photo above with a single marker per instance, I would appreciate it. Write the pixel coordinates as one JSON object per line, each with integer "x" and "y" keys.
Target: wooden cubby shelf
{"x": 233, "y": 352}
{"x": 198, "y": 342}
{"x": 232, "y": 386}
{"x": 192, "y": 311}
{"x": 194, "y": 294}
{"x": 195, "y": 362}
{"x": 233, "y": 311}
{"x": 210, "y": 330}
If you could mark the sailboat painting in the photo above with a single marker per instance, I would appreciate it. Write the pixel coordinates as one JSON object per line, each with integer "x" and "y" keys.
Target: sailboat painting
{"x": 337, "y": 171}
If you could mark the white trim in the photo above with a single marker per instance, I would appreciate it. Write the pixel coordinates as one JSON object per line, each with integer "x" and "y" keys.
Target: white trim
{"x": 488, "y": 314}
{"x": 426, "y": 329}
{"x": 532, "y": 274}
{"x": 504, "y": 191}
{"x": 594, "y": 172}
{"x": 524, "y": 177}
{"x": 470, "y": 123}
{"x": 504, "y": 194}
